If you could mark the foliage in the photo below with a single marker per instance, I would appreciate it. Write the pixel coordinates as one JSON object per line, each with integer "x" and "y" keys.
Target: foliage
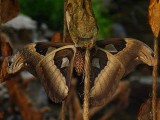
{"x": 103, "y": 19}
{"x": 48, "y": 11}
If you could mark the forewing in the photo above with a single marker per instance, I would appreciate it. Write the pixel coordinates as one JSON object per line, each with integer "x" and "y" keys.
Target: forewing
{"x": 106, "y": 71}
{"x": 55, "y": 72}
{"x": 28, "y": 57}
{"x": 129, "y": 52}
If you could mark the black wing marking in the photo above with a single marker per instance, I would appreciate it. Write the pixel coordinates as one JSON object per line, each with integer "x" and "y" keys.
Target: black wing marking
{"x": 44, "y": 48}
{"x": 55, "y": 77}
{"x": 118, "y": 43}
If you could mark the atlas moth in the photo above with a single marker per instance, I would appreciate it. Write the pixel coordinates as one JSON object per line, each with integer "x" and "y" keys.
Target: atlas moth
{"x": 54, "y": 64}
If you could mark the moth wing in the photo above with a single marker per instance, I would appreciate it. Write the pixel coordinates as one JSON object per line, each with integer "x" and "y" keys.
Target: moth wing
{"x": 55, "y": 72}
{"x": 106, "y": 71}
{"x": 37, "y": 50}
{"x": 130, "y": 52}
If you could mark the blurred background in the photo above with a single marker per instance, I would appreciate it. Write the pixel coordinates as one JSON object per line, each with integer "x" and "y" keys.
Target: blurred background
{"x": 42, "y": 20}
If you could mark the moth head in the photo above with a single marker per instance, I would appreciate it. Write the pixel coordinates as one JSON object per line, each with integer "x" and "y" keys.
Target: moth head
{"x": 15, "y": 63}
{"x": 81, "y": 24}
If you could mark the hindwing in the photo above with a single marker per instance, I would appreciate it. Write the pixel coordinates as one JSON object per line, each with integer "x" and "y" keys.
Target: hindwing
{"x": 106, "y": 71}
{"x": 55, "y": 72}
{"x": 108, "y": 67}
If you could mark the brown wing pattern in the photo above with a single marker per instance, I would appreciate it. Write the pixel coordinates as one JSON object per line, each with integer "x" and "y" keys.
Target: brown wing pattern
{"x": 106, "y": 73}
{"x": 50, "y": 62}
{"x": 130, "y": 52}
{"x": 54, "y": 76}
{"x": 53, "y": 64}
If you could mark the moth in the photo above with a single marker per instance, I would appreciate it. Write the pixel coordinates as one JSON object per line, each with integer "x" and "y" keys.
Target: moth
{"x": 54, "y": 63}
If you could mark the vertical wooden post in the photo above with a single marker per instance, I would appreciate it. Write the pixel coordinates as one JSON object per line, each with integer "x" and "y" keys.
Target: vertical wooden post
{"x": 63, "y": 110}
{"x": 155, "y": 77}
{"x": 0, "y": 15}
{"x": 86, "y": 86}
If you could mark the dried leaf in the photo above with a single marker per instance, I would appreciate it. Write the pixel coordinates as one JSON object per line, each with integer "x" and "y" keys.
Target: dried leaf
{"x": 9, "y": 10}
{"x": 57, "y": 37}
{"x": 21, "y": 100}
{"x": 4, "y": 73}
{"x": 1, "y": 115}
{"x": 154, "y": 16}
{"x": 145, "y": 112}
{"x": 5, "y": 48}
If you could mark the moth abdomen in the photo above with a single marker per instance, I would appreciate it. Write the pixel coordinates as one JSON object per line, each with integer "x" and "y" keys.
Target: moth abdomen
{"x": 79, "y": 61}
